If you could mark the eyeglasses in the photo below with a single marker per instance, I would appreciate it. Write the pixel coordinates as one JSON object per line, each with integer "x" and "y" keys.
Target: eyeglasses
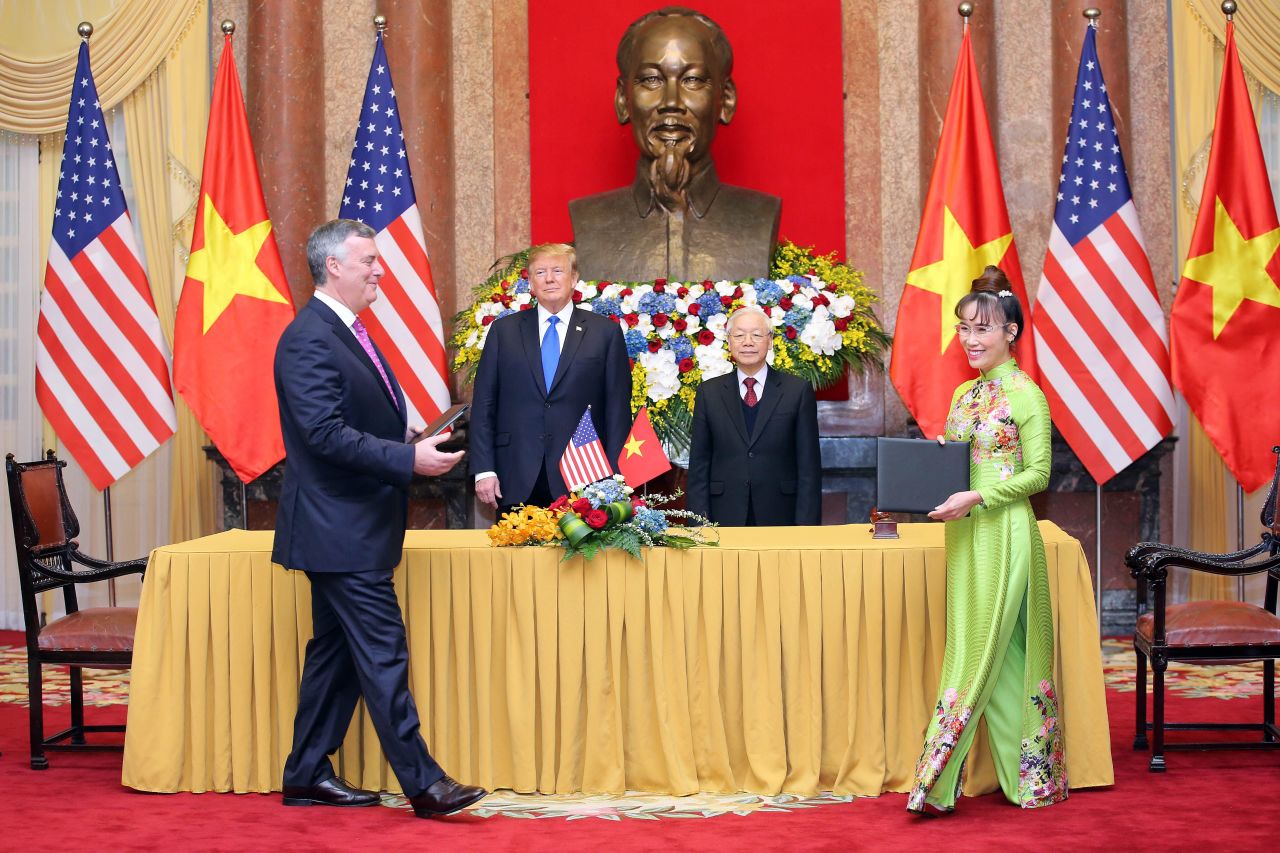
{"x": 754, "y": 337}
{"x": 981, "y": 331}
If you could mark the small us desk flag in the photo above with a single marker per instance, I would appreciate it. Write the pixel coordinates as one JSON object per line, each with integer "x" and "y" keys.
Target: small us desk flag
{"x": 1101, "y": 339}
{"x": 102, "y": 365}
{"x": 584, "y": 461}
{"x": 405, "y": 319}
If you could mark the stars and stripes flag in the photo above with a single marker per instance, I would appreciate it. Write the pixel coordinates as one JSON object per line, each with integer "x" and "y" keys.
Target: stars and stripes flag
{"x": 584, "y": 461}
{"x": 1101, "y": 339}
{"x": 405, "y": 319}
{"x": 102, "y": 365}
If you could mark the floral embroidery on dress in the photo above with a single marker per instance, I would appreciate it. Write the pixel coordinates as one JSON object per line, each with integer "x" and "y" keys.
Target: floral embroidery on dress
{"x": 983, "y": 417}
{"x": 1042, "y": 772}
{"x": 949, "y": 719}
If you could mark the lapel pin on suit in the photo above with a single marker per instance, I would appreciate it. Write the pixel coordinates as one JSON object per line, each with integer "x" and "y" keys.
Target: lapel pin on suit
{"x": 577, "y": 328}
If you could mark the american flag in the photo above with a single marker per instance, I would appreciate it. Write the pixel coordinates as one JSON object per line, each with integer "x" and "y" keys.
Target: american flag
{"x": 584, "y": 461}
{"x": 102, "y": 365}
{"x": 1101, "y": 339}
{"x": 405, "y": 319}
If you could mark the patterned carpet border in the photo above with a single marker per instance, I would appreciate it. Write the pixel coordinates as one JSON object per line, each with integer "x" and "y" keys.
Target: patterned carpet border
{"x": 633, "y": 805}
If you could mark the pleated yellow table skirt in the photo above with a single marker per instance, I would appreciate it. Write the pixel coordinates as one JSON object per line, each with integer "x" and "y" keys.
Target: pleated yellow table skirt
{"x": 786, "y": 660}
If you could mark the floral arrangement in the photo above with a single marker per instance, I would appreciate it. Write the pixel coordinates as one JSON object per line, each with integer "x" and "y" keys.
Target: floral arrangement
{"x": 675, "y": 332}
{"x": 605, "y": 514}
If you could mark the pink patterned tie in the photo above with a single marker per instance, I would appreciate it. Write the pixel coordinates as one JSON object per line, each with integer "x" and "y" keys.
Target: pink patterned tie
{"x": 750, "y": 399}
{"x": 362, "y": 335}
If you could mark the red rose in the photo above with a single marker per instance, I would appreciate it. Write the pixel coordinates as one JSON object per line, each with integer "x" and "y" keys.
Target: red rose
{"x": 707, "y": 283}
{"x": 682, "y": 292}
{"x": 785, "y": 303}
{"x": 581, "y": 506}
{"x": 659, "y": 320}
{"x": 659, "y": 288}
{"x": 626, "y": 291}
{"x": 605, "y": 284}
{"x": 615, "y": 318}
{"x": 686, "y": 364}
{"x": 737, "y": 293}
{"x": 497, "y": 297}
{"x": 726, "y": 301}
{"x": 559, "y": 504}
{"x": 813, "y": 273}
{"x": 577, "y": 297}
{"x": 524, "y": 272}
{"x": 706, "y": 337}
{"x": 654, "y": 346}
{"x": 694, "y": 308}
{"x": 795, "y": 288}
{"x": 486, "y": 320}
{"x": 659, "y": 282}
{"x": 632, "y": 320}
{"x": 791, "y": 333}
{"x": 679, "y": 324}
{"x": 597, "y": 518}
{"x": 638, "y": 502}
{"x": 526, "y": 306}
{"x": 841, "y": 323}
{"x": 506, "y": 301}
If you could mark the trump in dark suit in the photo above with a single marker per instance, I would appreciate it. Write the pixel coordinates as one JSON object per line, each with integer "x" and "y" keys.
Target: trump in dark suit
{"x": 341, "y": 519}
{"x": 539, "y": 370}
{"x": 754, "y": 458}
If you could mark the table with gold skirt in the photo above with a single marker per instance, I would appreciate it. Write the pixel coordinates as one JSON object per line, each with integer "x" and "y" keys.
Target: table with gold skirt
{"x": 788, "y": 660}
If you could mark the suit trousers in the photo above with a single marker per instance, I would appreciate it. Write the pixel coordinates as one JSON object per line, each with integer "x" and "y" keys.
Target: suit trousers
{"x": 358, "y": 648}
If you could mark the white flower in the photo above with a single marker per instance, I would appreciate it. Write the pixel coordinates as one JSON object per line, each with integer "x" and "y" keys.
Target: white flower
{"x": 695, "y": 290}
{"x": 712, "y": 360}
{"x": 820, "y": 333}
{"x": 523, "y": 299}
{"x": 682, "y": 306}
{"x": 842, "y": 305}
{"x": 665, "y": 332}
{"x": 586, "y": 290}
{"x": 694, "y": 324}
{"x": 716, "y": 324}
{"x": 661, "y": 374}
{"x": 645, "y": 325}
{"x": 803, "y": 299}
{"x": 725, "y": 288}
{"x": 472, "y": 339}
{"x": 611, "y": 291}
{"x": 629, "y": 304}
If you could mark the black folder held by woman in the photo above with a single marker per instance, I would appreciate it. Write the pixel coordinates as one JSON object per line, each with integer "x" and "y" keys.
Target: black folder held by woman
{"x": 917, "y": 474}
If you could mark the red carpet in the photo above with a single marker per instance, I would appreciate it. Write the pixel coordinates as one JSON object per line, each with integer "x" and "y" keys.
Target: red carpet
{"x": 1212, "y": 800}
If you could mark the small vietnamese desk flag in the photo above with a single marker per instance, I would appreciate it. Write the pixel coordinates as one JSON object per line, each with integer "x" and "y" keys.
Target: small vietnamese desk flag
{"x": 1225, "y": 327}
{"x": 964, "y": 227}
{"x": 235, "y": 301}
{"x": 642, "y": 457}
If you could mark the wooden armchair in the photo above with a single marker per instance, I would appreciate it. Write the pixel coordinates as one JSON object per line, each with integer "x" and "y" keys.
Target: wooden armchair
{"x": 44, "y": 530}
{"x": 1206, "y": 632}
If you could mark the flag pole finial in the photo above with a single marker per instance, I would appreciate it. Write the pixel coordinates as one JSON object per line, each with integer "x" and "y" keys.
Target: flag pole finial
{"x": 380, "y": 23}
{"x": 1228, "y": 8}
{"x": 1093, "y": 14}
{"x": 965, "y": 9}
{"x": 85, "y": 29}
{"x": 228, "y": 27}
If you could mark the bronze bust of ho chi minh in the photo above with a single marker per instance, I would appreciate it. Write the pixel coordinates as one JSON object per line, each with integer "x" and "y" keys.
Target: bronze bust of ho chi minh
{"x": 676, "y": 220}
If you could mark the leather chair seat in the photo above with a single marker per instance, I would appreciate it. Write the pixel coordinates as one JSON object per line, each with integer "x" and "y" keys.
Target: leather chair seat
{"x": 1214, "y": 623}
{"x": 96, "y": 629}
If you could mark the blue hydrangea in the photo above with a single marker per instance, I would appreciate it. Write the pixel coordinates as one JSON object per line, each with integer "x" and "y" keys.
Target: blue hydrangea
{"x": 681, "y": 347}
{"x": 801, "y": 280}
{"x": 650, "y": 520}
{"x": 522, "y": 285}
{"x": 797, "y": 317}
{"x": 636, "y": 342}
{"x": 603, "y": 492}
{"x": 657, "y": 303}
{"x": 710, "y": 302}
{"x": 607, "y": 307}
{"x": 505, "y": 312}
{"x": 767, "y": 291}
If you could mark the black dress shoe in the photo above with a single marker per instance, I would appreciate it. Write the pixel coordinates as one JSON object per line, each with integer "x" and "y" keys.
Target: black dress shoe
{"x": 446, "y": 797}
{"x": 330, "y": 792}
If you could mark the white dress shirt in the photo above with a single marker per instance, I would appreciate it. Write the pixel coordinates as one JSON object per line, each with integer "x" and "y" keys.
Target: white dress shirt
{"x": 759, "y": 378}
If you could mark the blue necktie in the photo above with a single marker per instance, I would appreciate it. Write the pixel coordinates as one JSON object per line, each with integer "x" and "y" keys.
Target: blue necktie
{"x": 550, "y": 351}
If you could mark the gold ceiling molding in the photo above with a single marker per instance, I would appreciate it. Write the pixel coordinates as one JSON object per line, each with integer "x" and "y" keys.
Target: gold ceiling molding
{"x": 1257, "y": 34}
{"x": 127, "y": 48}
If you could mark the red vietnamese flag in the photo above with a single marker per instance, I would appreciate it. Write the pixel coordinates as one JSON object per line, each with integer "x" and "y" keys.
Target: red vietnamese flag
{"x": 1225, "y": 327}
{"x": 642, "y": 457}
{"x": 235, "y": 300}
{"x": 964, "y": 227}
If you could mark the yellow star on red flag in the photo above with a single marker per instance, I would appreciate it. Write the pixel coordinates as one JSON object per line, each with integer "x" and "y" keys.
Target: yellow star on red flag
{"x": 1236, "y": 269}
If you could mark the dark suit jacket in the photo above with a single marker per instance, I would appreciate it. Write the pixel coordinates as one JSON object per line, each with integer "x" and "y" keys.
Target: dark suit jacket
{"x": 518, "y": 428}
{"x": 345, "y": 496}
{"x": 777, "y": 467}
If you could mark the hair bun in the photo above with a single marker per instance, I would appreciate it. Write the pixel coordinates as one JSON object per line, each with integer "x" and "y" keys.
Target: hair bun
{"x": 993, "y": 281}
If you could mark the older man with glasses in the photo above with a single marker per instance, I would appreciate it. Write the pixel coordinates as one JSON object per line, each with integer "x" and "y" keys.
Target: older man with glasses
{"x": 754, "y": 461}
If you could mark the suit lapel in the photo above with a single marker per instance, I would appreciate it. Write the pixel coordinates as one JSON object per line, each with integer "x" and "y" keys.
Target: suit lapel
{"x": 533, "y": 348}
{"x": 574, "y": 332}
{"x": 772, "y": 393}
{"x": 348, "y": 339}
{"x": 733, "y": 404}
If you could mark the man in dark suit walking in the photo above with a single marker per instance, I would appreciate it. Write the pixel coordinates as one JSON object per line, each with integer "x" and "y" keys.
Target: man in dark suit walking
{"x": 341, "y": 519}
{"x": 539, "y": 370}
{"x": 754, "y": 458}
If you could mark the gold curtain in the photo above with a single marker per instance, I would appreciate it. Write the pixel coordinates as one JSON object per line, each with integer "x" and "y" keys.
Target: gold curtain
{"x": 1199, "y": 28}
{"x": 152, "y": 58}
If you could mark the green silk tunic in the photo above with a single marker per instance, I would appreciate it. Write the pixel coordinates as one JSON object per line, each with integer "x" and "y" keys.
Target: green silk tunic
{"x": 998, "y": 662}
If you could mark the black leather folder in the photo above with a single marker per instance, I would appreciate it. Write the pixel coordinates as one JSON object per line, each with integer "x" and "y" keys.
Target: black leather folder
{"x": 918, "y": 474}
